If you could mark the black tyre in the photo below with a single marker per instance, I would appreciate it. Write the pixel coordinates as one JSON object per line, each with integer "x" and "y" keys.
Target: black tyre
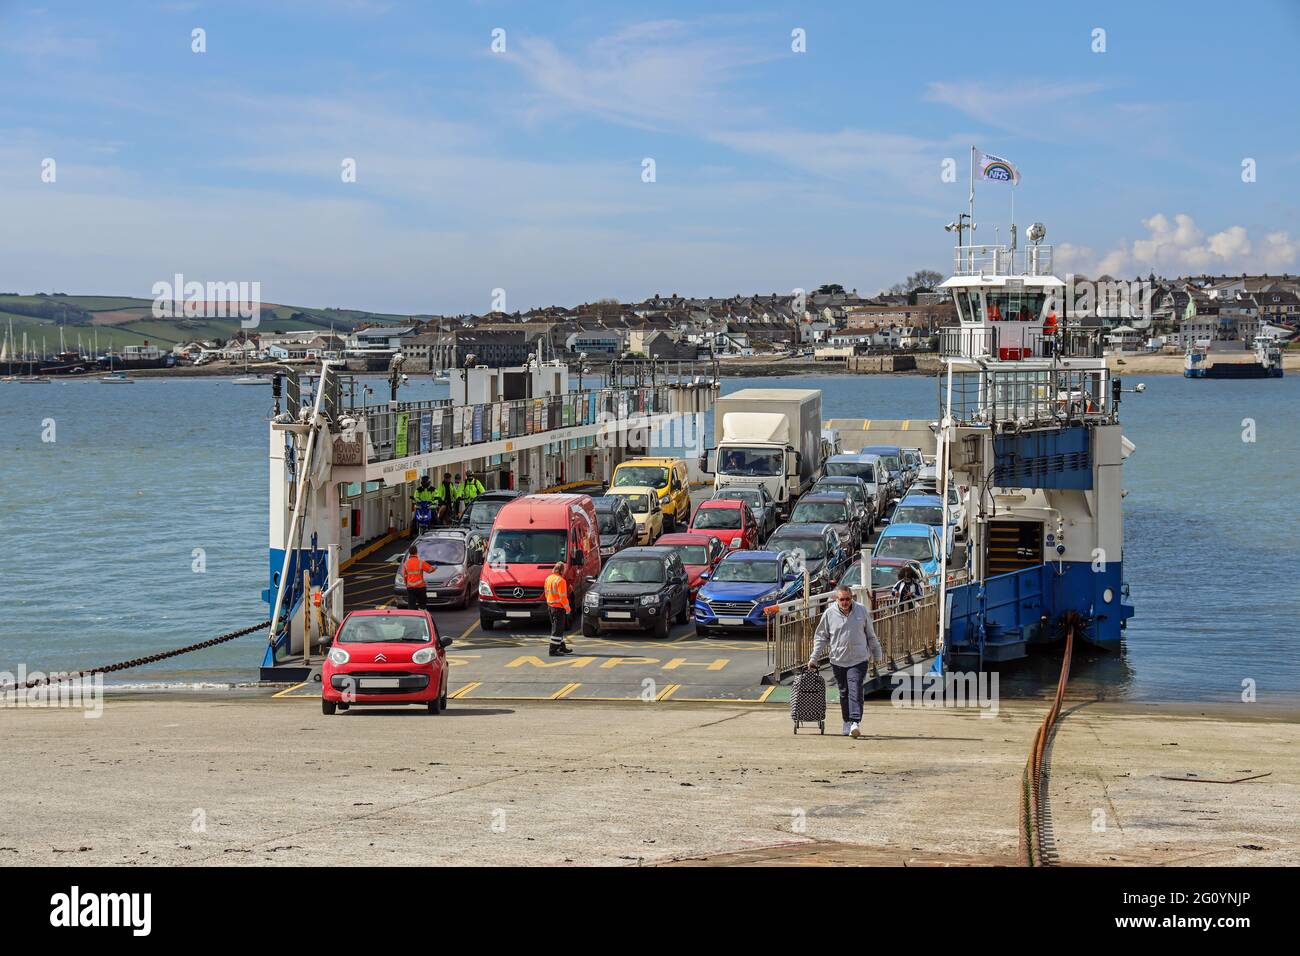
{"x": 486, "y": 621}
{"x": 660, "y": 627}
{"x": 685, "y": 616}
{"x": 589, "y": 628}
{"x": 443, "y": 698}
{"x": 327, "y": 707}
{"x": 435, "y": 706}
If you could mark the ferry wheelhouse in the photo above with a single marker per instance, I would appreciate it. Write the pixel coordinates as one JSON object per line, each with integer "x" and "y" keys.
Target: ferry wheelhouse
{"x": 1030, "y": 427}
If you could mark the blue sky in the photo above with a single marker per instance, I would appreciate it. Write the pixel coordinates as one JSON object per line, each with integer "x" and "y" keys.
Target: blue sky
{"x": 522, "y": 170}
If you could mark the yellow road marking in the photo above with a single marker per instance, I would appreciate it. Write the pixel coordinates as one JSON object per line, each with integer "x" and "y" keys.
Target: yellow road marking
{"x": 287, "y": 690}
{"x": 462, "y": 691}
{"x": 668, "y": 692}
{"x": 565, "y": 691}
{"x": 766, "y": 694}
{"x": 468, "y": 631}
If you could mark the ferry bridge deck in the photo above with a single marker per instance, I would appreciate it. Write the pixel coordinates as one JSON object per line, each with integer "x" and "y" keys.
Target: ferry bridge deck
{"x": 514, "y": 665}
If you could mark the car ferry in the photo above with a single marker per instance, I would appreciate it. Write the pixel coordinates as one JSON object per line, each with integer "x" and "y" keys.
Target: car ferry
{"x": 1267, "y": 364}
{"x": 1030, "y": 428}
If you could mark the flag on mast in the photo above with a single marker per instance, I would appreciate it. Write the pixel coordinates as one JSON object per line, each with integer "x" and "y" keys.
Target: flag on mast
{"x": 996, "y": 169}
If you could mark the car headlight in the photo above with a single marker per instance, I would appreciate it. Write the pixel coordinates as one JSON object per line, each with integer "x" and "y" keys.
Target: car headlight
{"x": 423, "y": 655}
{"x": 591, "y": 600}
{"x": 484, "y": 589}
{"x": 456, "y": 581}
{"x": 648, "y": 599}
{"x": 736, "y": 542}
{"x": 770, "y": 596}
{"x": 338, "y": 656}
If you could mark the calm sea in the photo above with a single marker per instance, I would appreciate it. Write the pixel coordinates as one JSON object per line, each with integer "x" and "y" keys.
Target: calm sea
{"x": 99, "y": 528}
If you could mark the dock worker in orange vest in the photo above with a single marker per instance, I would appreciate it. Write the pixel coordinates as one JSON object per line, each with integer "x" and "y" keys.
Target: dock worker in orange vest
{"x": 413, "y": 568}
{"x": 557, "y": 604}
{"x": 1049, "y": 332}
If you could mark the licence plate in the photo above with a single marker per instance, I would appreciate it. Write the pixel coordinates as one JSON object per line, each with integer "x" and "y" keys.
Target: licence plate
{"x": 625, "y": 615}
{"x": 731, "y": 621}
{"x": 518, "y": 614}
{"x": 377, "y": 682}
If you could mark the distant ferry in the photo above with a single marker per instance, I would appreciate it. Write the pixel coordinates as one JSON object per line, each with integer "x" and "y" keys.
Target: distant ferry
{"x": 1267, "y": 364}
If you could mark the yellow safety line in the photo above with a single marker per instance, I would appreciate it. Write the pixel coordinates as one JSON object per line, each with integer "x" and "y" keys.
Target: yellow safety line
{"x": 369, "y": 549}
{"x": 668, "y": 692}
{"x": 468, "y": 631}
{"x": 462, "y": 691}
{"x": 565, "y": 691}
{"x": 284, "y": 692}
{"x": 766, "y": 694}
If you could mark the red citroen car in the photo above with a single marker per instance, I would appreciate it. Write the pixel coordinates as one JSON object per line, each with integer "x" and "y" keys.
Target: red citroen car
{"x": 730, "y": 519}
{"x": 386, "y": 656}
{"x": 700, "y": 553}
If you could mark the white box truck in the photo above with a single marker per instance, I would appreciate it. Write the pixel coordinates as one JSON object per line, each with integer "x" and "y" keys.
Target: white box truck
{"x": 768, "y": 436}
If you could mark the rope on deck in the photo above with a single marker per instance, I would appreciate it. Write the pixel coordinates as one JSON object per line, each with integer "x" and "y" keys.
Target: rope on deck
{"x": 1031, "y": 848}
{"x": 135, "y": 662}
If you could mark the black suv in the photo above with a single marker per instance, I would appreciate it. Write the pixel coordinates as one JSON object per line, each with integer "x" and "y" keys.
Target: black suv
{"x": 617, "y": 524}
{"x": 638, "y": 588}
{"x": 478, "y": 517}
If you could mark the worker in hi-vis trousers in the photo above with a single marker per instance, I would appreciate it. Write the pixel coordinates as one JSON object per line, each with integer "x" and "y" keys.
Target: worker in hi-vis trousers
{"x": 557, "y": 603}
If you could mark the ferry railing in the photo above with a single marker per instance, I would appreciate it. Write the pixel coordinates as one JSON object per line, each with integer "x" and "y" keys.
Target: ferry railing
{"x": 1011, "y": 344}
{"x": 907, "y": 631}
{"x": 1001, "y": 260}
{"x": 412, "y": 428}
{"x": 1018, "y": 398}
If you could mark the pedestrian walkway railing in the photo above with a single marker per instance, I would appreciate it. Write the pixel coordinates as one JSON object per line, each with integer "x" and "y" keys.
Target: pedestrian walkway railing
{"x": 907, "y": 631}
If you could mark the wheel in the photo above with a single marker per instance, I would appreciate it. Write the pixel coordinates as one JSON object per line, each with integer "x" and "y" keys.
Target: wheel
{"x": 443, "y": 698}
{"x": 327, "y": 707}
{"x": 486, "y": 621}
{"x": 589, "y": 628}
{"x": 660, "y": 628}
{"x": 435, "y": 706}
{"x": 821, "y": 726}
{"x": 685, "y": 616}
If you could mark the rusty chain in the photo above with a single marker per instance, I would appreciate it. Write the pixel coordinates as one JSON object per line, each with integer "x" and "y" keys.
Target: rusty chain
{"x": 136, "y": 662}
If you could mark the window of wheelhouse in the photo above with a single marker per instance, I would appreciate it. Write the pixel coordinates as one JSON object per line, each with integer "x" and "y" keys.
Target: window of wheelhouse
{"x": 1024, "y": 306}
{"x": 968, "y": 305}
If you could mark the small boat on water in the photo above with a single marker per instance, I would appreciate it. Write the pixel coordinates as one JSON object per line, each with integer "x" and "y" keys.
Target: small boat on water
{"x": 34, "y": 380}
{"x": 1268, "y": 361}
{"x": 251, "y": 380}
{"x": 116, "y": 378}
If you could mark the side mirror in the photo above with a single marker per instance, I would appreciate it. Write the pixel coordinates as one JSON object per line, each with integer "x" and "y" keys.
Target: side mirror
{"x": 705, "y": 575}
{"x": 444, "y": 641}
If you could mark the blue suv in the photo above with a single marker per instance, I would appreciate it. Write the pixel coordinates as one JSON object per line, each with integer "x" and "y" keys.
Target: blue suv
{"x": 743, "y": 584}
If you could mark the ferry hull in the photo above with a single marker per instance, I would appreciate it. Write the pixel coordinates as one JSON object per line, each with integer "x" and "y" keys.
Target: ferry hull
{"x": 1234, "y": 370}
{"x": 995, "y": 622}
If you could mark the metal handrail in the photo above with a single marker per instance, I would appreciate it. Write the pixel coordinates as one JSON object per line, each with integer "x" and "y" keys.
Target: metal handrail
{"x": 1030, "y": 397}
{"x": 1002, "y": 260}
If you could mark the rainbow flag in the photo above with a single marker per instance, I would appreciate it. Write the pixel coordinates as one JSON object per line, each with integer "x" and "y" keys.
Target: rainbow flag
{"x": 996, "y": 169}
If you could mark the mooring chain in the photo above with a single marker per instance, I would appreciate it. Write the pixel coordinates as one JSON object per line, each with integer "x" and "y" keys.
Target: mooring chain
{"x": 135, "y": 662}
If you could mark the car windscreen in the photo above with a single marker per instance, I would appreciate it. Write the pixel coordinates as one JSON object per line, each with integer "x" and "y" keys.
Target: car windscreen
{"x": 633, "y": 571}
{"x": 850, "y": 469}
{"x": 885, "y": 576}
{"x": 819, "y": 512}
{"x": 724, "y": 518}
{"x": 379, "y": 629}
{"x": 832, "y": 488}
{"x": 609, "y": 522}
{"x": 641, "y": 476}
{"x": 918, "y": 514}
{"x": 697, "y": 554}
{"x": 912, "y": 547}
{"x": 509, "y": 546}
{"x": 483, "y": 513}
{"x": 751, "y": 462}
{"x": 813, "y": 546}
{"x": 639, "y": 504}
{"x": 441, "y": 550}
{"x": 755, "y": 572}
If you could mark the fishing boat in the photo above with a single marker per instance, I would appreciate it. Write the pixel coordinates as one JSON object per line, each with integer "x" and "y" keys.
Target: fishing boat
{"x": 116, "y": 378}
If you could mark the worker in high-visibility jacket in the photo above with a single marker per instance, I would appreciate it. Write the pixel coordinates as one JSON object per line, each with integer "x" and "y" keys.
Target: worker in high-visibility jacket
{"x": 556, "y": 590}
{"x": 413, "y": 569}
{"x": 472, "y": 488}
{"x": 445, "y": 497}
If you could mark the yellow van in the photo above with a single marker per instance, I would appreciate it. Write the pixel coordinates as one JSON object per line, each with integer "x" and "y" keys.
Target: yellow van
{"x": 668, "y": 477}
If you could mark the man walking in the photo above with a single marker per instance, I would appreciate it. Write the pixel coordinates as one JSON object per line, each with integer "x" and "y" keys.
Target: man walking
{"x": 846, "y": 630}
{"x": 413, "y": 568}
{"x": 557, "y": 604}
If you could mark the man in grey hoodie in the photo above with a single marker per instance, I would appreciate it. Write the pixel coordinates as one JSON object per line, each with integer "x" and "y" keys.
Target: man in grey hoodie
{"x": 847, "y": 632}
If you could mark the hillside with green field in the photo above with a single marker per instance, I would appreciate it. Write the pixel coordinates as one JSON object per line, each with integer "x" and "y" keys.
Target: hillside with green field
{"x": 115, "y": 321}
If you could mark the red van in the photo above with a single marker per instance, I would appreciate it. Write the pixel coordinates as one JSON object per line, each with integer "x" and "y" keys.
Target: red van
{"x": 530, "y": 534}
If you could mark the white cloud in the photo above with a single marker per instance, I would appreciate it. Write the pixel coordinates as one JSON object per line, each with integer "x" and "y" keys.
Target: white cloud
{"x": 1180, "y": 247}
